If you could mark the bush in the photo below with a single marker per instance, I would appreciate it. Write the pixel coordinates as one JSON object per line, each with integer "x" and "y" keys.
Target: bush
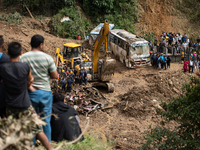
{"x": 122, "y": 13}
{"x": 40, "y": 7}
{"x": 70, "y": 29}
{"x": 185, "y": 111}
{"x": 15, "y": 18}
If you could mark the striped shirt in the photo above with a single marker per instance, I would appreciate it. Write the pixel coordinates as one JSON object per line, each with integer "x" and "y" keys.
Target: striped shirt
{"x": 41, "y": 64}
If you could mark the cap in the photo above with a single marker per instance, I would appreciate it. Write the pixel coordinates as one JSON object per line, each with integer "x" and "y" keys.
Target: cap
{"x": 63, "y": 70}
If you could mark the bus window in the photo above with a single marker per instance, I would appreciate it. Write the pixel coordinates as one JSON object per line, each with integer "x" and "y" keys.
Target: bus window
{"x": 115, "y": 40}
{"x": 119, "y": 42}
{"x": 111, "y": 39}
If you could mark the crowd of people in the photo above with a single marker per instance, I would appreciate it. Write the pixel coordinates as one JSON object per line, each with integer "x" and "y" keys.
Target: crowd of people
{"x": 174, "y": 43}
{"x": 25, "y": 89}
{"x": 160, "y": 61}
{"x": 192, "y": 64}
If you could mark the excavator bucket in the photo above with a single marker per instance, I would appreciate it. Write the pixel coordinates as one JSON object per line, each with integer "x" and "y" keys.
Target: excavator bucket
{"x": 107, "y": 69}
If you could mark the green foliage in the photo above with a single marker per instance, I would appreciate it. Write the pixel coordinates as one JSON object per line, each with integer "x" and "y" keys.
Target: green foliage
{"x": 44, "y": 7}
{"x": 70, "y": 29}
{"x": 185, "y": 111}
{"x": 122, "y": 13}
{"x": 15, "y": 18}
{"x": 149, "y": 36}
{"x": 91, "y": 142}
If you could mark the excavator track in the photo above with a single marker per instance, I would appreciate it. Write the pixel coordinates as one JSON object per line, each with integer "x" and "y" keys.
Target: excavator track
{"x": 107, "y": 85}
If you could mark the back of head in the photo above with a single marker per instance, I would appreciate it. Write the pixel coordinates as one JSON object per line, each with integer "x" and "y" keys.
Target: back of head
{"x": 1, "y": 40}
{"x": 36, "y": 40}
{"x": 58, "y": 97}
{"x": 14, "y": 49}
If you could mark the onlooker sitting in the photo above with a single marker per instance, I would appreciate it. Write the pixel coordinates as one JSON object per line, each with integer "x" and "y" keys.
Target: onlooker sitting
{"x": 67, "y": 126}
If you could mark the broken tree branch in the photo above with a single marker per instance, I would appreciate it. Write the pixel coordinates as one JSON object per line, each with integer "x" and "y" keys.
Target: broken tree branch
{"x": 29, "y": 12}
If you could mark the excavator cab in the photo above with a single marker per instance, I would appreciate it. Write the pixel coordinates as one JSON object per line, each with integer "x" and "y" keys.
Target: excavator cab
{"x": 72, "y": 50}
{"x": 71, "y": 53}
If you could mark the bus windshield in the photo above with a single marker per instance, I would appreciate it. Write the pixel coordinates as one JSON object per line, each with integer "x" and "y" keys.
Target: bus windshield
{"x": 139, "y": 49}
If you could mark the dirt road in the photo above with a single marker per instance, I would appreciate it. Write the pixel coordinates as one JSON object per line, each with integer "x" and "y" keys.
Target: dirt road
{"x": 137, "y": 92}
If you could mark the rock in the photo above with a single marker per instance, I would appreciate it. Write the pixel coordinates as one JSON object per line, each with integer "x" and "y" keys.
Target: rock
{"x": 170, "y": 82}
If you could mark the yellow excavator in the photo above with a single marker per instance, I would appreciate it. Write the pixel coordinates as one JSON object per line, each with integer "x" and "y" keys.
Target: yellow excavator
{"x": 71, "y": 52}
{"x": 103, "y": 69}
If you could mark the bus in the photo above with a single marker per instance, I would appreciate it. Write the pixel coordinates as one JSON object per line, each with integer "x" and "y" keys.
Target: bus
{"x": 131, "y": 50}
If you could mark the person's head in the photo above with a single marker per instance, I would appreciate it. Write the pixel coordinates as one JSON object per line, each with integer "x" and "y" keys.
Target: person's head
{"x": 37, "y": 42}
{"x": 58, "y": 97}
{"x": 184, "y": 41}
{"x": 14, "y": 49}
{"x": 1, "y": 43}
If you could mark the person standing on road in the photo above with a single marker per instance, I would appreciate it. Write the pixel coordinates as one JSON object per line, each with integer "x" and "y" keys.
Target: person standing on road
{"x": 191, "y": 64}
{"x": 17, "y": 79}
{"x": 168, "y": 61}
{"x": 3, "y": 58}
{"x": 164, "y": 61}
{"x": 185, "y": 66}
{"x": 42, "y": 67}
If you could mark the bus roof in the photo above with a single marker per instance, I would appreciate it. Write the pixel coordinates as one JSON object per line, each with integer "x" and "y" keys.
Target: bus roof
{"x": 98, "y": 28}
{"x": 131, "y": 38}
{"x": 72, "y": 45}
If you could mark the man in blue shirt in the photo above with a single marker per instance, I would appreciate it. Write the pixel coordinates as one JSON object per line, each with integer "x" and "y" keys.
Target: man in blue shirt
{"x": 184, "y": 38}
{"x": 161, "y": 60}
{"x": 164, "y": 61}
{"x": 3, "y": 59}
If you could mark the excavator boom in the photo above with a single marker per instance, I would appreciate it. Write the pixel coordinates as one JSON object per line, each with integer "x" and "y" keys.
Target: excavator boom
{"x": 103, "y": 67}
{"x": 103, "y": 36}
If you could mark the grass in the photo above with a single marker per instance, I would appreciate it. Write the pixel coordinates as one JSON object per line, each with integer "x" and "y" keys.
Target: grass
{"x": 91, "y": 142}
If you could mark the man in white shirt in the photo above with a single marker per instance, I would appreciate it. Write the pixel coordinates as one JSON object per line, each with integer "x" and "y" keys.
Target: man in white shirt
{"x": 184, "y": 46}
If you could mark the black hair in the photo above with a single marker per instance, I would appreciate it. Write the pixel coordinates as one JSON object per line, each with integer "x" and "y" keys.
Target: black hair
{"x": 36, "y": 40}
{"x": 14, "y": 49}
{"x": 57, "y": 97}
{"x": 1, "y": 40}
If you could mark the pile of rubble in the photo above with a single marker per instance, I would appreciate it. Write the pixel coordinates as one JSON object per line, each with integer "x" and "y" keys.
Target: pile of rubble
{"x": 84, "y": 99}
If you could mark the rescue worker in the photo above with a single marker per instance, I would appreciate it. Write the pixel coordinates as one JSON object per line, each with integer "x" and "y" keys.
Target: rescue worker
{"x": 64, "y": 74}
{"x": 85, "y": 76}
{"x": 81, "y": 76}
{"x": 63, "y": 84}
{"x": 69, "y": 85}
{"x": 72, "y": 75}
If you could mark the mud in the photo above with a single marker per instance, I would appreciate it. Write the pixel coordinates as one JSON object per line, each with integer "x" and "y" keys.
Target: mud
{"x": 137, "y": 94}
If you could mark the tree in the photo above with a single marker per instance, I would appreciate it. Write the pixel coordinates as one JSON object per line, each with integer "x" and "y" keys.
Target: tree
{"x": 185, "y": 111}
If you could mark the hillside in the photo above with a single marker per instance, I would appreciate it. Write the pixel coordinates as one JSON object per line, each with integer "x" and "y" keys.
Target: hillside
{"x": 161, "y": 15}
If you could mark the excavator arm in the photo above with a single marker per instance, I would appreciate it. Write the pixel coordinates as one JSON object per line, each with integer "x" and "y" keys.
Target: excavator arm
{"x": 102, "y": 37}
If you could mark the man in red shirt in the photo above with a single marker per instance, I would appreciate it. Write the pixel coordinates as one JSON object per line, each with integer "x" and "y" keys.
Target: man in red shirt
{"x": 78, "y": 37}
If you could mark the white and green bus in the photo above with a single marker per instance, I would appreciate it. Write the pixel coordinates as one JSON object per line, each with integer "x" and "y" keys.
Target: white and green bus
{"x": 130, "y": 49}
